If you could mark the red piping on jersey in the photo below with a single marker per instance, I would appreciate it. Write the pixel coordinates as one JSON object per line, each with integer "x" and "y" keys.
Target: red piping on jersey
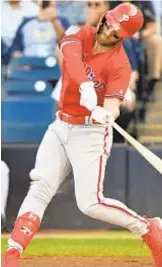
{"x": 101, "y": 202}
{"x": 72, "y": 53}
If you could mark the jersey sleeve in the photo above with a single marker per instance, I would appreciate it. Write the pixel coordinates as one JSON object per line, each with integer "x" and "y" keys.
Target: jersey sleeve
{"x": 71, "y": 48}
{"x": 74, "y": 33}
{"x": 117, "y": 81}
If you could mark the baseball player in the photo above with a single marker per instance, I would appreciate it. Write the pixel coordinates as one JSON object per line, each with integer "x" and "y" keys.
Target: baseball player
{"x": 95, "y": 77}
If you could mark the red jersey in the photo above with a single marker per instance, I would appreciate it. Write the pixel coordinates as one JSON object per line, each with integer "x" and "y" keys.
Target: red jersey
{"x": 110, "y": 71}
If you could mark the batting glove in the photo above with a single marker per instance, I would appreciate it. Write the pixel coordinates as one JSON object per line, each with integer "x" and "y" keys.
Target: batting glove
{"x": 102, "y": 115}
{"x": 88, "y": 97}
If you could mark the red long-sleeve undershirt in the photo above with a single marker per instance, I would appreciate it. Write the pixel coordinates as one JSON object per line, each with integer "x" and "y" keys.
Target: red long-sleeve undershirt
{"x": 72, "y": 53}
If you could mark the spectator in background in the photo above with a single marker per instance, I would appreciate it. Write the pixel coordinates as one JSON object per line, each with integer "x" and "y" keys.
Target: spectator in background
{"x": 94, "y": 11}
{"x": 130, "y": 50}
{"x": 14, "y": 11}
{"x": 152, "y": 43}
{"x": 157, "y": 5}
{"x": 13, "y": 14}
{"x": 38, "y": 36}
{"x": 74, "y": 11}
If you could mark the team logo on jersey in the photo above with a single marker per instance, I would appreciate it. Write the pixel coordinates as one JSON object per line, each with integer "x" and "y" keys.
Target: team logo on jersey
{"x": 72, "y": 30}
{"x": 99, "y": 85}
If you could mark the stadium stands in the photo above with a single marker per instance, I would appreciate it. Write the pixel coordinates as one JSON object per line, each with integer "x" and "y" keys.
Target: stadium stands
{"x": 27, "y": 107}
{"x": 26, "y": 110}
{"x": 30, "y": 88}
{"x": 26, "y": 119}
{"x": 27, "y": 68}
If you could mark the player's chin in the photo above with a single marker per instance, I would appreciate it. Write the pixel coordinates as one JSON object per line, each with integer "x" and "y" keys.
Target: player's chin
{"x": 105, "y": 43}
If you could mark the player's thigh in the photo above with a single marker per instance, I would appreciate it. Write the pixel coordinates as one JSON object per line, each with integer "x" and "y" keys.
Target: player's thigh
{"x": 51, "y": 163}
{"x": 88, "y": 158}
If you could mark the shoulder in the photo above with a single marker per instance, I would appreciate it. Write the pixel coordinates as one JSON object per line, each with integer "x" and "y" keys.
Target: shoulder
{"x": 77, "y": 33}
{"x": 118, "y": 62}
{"x": 119, "y": 58}
{"x": 75, "y": 28}
{"x": 90, "y": 31}
{"x": 26, "y": 21}
{"x": 29, "y": 8}
{"x": 5, "y": 6}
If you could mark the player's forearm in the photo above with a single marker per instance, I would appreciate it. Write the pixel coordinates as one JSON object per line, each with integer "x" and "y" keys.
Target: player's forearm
{"x": 113, "y": 105}
{"x": 151, "y": 28}
{"x": 72, "y": 54}
{"x": 59, "y": 29}
{"x": 108, "y": 113}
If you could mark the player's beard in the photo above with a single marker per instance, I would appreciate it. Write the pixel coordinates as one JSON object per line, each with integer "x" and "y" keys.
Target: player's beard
{"x": 106, "y": 41}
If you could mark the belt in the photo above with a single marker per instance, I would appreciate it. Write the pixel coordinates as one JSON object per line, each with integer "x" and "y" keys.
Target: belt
{"x": 76, "y": 119}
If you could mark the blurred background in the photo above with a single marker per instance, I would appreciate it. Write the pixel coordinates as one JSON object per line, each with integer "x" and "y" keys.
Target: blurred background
{"x": 30, "y": 82}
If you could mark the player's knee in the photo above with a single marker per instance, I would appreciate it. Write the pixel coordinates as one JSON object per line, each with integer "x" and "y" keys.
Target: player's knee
{"x": 35, "y": 175}
{"x": 87, "y": 208}
{"x": 84, "y": 208}
{"x": 40, "y": 187}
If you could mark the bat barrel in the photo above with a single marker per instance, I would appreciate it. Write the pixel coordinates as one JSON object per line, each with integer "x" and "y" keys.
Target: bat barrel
{"x": 153, "y": 159}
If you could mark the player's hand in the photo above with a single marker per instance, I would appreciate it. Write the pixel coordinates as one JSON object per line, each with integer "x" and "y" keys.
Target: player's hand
{"x": 102, "y": 115}
{"x": 50, "y": 13}
{"x": 88, "y": 97}
{"x": 92, "y": 17}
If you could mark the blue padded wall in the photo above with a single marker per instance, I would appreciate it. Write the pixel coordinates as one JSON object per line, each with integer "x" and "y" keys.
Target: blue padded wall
{"x": 145, "y": 184}
{"x": 28, "y": 110}
{"x": 24, "y": 120}
{"x": 22, "y": 133}
{"x": 19, "y": 87}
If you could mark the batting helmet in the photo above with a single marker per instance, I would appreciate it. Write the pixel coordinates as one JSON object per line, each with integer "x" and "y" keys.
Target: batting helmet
{"x": 126, "y": 19}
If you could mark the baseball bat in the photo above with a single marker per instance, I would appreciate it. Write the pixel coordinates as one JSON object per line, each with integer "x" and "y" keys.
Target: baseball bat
{"x": 154, "y": 160}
